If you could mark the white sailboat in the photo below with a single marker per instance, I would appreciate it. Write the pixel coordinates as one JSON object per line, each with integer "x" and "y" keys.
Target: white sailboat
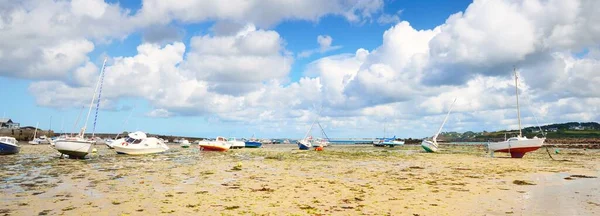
{"x": 39, "y": 140}
{"x": 432, "y": 145}
{"x": 79, "y": 146}
{"x": 137, "y": 143}
{"x": 519, "y": 145}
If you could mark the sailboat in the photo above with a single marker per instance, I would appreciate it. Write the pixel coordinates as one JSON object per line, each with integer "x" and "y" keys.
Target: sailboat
{"x": 41, "y": 140}
{"x": 432, "y": 145}
{"x": 390, "y": 142}
{"x": 79, "y": 146}
{"x": 519, "y": 145}
{"x": 323, "y": 141}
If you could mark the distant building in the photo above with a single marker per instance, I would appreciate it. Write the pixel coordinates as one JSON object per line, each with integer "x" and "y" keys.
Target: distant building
{"x": 8, "y": 123}
{"x": 552, "y": 129}
{"x": 577, "y": 127}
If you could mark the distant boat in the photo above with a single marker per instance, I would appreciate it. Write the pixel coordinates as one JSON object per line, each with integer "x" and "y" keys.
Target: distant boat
{"x": 137, "y": 143}
{"x": 517, "y": 146}
{"x": 252, "y": 143}
{"x": 219, "y": 144}
{"x": 9, "y": 145}
{"x": 41, "y": 140}
{"x": 432, "y": 145}
{"x": 184, "y": 143}
{"x": 79, "y": 146}
{"x": 235, "y": 143}
{"x": 389, "y": 142}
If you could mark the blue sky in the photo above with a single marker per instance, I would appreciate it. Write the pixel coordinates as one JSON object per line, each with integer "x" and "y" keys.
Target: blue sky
{"x": 32, "y": 85}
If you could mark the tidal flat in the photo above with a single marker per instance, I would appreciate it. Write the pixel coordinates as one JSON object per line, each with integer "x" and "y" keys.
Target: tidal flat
{"x": 281, "y": 180}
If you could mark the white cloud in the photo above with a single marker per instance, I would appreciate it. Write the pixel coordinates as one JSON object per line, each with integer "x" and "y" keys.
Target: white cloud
{"x": 324, "y": 42}
{"x": 241, "y": 73}
{"x": 262, "y": 13}
{"x": 159, "y": 113}
{"x": 389, "y": 18}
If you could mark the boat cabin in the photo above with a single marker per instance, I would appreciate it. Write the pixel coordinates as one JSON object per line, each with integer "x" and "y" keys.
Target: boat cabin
{"x": 132, "y": 140}
{"x": 8, "y": 140}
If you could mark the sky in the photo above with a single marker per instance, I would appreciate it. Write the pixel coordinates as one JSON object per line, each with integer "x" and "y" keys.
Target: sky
{"x": 269, "y": 68}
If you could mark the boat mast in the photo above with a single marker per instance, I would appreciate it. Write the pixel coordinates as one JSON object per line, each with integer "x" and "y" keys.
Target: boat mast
{"x": 518, "y": 108}
{"x": 313, "y": 124}
{"x": 444, "y": 122}
{"x": 35, "y": 131}
{"x": 99, "y": 97}
{"x": 92, "y": 102}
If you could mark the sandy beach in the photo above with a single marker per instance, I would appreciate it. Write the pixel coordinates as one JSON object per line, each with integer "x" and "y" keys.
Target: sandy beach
{"x": 281, "y": 180}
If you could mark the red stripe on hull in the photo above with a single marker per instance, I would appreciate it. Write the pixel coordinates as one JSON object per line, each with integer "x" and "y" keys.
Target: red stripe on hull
{"x": 212, "y": 148}
{"x": 518, "y": 152}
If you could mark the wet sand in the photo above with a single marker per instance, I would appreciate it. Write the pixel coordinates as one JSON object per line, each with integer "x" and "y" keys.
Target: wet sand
{"x": 280, "y": 180}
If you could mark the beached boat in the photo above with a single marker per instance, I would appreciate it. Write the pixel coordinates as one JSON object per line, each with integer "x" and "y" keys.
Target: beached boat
{"x": 235, "y": 143}
{"x": 219, "y": 144}
{"x": 519, "y": 145}
{"x": 389, "y": 142}
{"x": 432, "y": 145}
{"x": 137, "y": 143}
{"x": 252, "y": 144}
{"x": 42, "y": 140}
{"x": 184, "y": 143}
{"x": 9, "y": 145}
{"x": 79, "y": 146}
{"x": 305, "y": 144}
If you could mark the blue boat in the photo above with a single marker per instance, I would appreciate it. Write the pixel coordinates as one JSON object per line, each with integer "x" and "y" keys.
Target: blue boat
{"x": 304, "y": 144}
{"x": 8, "y": 145}
{"x": 389, "y": 142}
{"x": 253, "y": 144}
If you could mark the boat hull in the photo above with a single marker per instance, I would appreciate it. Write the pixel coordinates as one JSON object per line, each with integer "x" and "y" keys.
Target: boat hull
{"x": 218, "y": 145}
{"x": 74, "y": 148}
{"x": 147, "y": 146}
{"x": 517, "y": 148}
{"x": 252, "y": 144}
{"x": 429, "y": 146}
{"x": 303, "y": 147}
{"x": 213, "y": 148}
{"x": 237, "y": 144}
{"x": 129, "y": 151}
{"x": 6, "y": 149}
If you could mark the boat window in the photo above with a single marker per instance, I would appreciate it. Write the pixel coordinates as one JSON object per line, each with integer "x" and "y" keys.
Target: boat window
{"x": 129, "y": 140}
